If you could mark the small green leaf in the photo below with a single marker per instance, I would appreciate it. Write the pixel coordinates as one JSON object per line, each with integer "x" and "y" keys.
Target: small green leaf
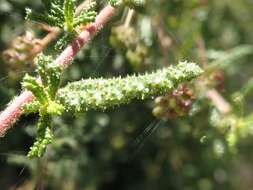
{"x": 69, "y": 10}
{"x": 45, "y": 137}
{"x": 85, "y": 17}
{"x": 54, "y": 108}
{"x": 43, "y": 18}
{"x": 64, "y": 40}
{"x": 32, "y": 107}
{"x": 32, "y": 84}
{"x": 49, "y": 72}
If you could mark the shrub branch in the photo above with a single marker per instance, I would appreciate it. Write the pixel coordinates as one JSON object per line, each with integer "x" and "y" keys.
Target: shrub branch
{"x": 14, "y": 109}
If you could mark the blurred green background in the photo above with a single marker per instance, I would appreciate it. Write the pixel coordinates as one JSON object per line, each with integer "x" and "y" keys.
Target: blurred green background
{"x": 128, "y": 147}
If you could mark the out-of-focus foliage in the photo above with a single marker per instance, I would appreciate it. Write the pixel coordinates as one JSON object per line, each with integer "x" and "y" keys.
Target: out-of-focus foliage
{"x": 128, "y": 147}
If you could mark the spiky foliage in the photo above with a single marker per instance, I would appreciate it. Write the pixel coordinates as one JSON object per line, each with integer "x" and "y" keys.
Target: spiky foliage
{"x": 44, "y": 137}
{"x": 44, "y": 90}
{"x": 92, "y": 93}
{"x": 104, "y": 93}
{"x": 61, "y": 13}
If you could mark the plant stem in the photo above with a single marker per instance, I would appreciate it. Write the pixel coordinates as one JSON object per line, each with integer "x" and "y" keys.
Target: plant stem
{"x": 217, "y": 99}
{"x": 44, "y": 42}
{"x": 129, "y": 17}
{"x": 69, "y": 53}
{"x": 14, "y": 110}
{"x": 221, "y": 104}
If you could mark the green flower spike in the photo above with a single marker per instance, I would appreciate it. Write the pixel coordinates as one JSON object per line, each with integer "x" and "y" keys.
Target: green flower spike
{"x": 105, "y": 93}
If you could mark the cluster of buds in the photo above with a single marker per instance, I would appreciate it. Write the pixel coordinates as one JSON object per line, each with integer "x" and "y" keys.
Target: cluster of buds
{"x": 127, "y": 40}
{"x": 175, "y": 104}
{"x": 21, "y": 49}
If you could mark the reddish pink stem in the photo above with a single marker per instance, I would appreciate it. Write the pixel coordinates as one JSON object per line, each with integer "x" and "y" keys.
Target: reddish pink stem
{"x": 14, "y": 110}
{"x": 70, "y": 52}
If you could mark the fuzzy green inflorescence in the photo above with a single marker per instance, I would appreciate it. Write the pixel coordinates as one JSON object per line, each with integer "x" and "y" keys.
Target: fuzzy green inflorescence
{"x": 105, "y": 93}
{"x": 44, "y": 90}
